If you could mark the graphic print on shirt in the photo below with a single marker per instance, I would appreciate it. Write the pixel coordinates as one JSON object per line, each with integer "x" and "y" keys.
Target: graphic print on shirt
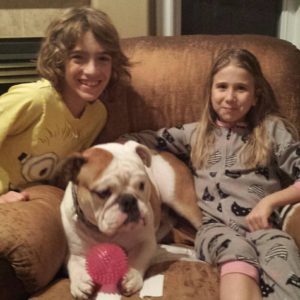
{"x": 224, "y": 245}
{"x": 294, "y": 280}
{"x": 167, "y": 136}
{"x": 245, "y": 138}
{"x": 38, "y": 168}
{"x": 221, "y": 193}
{"x": 239, "y": 211}
{"x": 257, "y": 190}
{"x": 213, "y": 242}
{"x": 230, "y": 160}
{"x": 201, "y": 253}
{"x": 265, "y": 288}
{"x": 235, "y": 226}
{"x": 279, "y": 236}
{"x": 274, "y": 237}
{"x": 161, "y": 144}
{"x": 243, "y": 258}
{"x": 219, "y": 207}
{"x": 207, "y": 196}
{"x": 214, "y": 158}
{"x": 278, "y": 250}
{"x": 264, "y": 171}
{"x": 233, "y": 174}
{"x": 214, "y": 245}
{"x": 296, "y": 172}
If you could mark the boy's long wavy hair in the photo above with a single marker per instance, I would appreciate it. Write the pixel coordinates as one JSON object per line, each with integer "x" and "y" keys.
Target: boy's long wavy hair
{"x": 257, "y": 151}
{"x": 62, "y": 36}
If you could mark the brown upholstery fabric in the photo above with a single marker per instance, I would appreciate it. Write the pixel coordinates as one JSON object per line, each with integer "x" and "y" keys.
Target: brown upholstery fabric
{"x": 11, "y": 288}
{"x": 57, "y": 290}
{"x": 32, "y": 238}
{"x": 291, "y": 223}
{"x": 182, "y": 280}
{"x": 168, "y": 77}
{"x": 169, "y": 74}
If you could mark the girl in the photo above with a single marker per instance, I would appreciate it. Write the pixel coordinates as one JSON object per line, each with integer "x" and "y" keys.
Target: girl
{"x": 44, "y": 121}
{"x": 237, "y": 151}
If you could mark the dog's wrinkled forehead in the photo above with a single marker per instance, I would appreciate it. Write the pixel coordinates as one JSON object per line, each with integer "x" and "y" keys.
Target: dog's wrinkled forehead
{"x": 123, "y": 154}
{"x": 109, "y": 158}
{"x": 98, "y": 160}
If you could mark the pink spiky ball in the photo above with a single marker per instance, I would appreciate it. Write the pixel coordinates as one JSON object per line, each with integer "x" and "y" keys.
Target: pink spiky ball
{"x": 107, "y": 263}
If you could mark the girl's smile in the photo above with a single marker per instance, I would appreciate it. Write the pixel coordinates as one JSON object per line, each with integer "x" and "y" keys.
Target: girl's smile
{"x": 232, "y": 93}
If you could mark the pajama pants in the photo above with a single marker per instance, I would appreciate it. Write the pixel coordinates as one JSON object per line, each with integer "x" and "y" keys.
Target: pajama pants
{"x": 272, "y": 251}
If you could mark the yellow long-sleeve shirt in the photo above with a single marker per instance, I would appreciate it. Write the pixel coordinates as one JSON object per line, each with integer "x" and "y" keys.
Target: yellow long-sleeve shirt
{"x": 37, "y": 130}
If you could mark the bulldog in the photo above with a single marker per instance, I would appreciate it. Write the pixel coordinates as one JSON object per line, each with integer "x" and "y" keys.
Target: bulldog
{"x": 115, "y": 194}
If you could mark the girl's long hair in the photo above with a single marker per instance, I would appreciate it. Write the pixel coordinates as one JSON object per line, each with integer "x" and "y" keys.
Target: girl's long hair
{"x": 62, "y": 36}
{"x": 257, "y": 150}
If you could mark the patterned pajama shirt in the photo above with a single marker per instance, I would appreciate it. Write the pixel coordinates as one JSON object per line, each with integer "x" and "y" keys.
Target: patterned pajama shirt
{"x": 227, "y": 192}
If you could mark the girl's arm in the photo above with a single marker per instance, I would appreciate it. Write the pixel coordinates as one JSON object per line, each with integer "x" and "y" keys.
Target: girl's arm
{"x": 287, "y": 159}
{"x": 258, "y": 217}
{"x": 176, "y": 140}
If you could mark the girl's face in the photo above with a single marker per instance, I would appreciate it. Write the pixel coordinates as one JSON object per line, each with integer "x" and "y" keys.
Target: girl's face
{"x": 87, "y": 72}
{"x": 232, "y": 93}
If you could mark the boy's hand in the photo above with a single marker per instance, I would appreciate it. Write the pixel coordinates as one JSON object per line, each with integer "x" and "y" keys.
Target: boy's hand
{"x": 13, "y": 197}
{"x": 258, "y": 218}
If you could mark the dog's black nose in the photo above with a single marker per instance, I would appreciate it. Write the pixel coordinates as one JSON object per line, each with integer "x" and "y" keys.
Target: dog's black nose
{"x": 128, "y": 204}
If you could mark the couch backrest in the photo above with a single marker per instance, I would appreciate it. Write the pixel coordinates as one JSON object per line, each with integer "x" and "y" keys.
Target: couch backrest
{"x": 169, "y": 75}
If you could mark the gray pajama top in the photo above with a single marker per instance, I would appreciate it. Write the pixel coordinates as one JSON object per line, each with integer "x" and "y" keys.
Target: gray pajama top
{"x": 227, "y": 190}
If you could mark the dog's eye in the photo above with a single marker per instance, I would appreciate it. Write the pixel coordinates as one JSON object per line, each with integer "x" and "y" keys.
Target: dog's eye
{"x": 142, "y": 186}
{"x": 104, "y": 193}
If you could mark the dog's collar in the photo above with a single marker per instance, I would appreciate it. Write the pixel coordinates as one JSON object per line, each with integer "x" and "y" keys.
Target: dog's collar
{"x": 79, "y": 211}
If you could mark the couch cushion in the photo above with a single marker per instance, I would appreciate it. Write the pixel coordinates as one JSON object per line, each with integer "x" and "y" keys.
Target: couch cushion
{"x": 169, "y": 75}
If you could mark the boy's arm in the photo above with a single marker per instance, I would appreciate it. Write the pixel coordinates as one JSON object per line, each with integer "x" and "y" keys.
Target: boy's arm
{"x": 12, "y": 196}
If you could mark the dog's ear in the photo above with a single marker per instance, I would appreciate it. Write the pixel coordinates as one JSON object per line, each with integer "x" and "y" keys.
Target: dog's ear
{"x": 142, "y": 151}
{"x": 68, "y": 170}
{"x": 145, "y": 154}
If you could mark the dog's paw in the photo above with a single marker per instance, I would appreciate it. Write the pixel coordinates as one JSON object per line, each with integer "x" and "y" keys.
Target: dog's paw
{"x": 82, "y": 286}
{"x": 132, "y": 282}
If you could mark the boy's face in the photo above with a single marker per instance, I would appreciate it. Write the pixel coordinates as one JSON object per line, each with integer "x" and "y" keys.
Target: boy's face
{"x": 232, "y": 93}
{"x": 88, "y": 70}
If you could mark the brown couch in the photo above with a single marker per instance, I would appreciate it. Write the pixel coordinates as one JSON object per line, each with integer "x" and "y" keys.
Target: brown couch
{"x": 168, "y": 77}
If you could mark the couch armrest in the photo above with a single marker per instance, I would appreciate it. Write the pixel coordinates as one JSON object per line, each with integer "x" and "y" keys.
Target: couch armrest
{"x": 291, "y": 222}
{"x": 32, "y": 240}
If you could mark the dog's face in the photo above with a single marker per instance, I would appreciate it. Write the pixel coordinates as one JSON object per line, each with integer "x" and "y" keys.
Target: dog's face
{"x": 113, "y": 188}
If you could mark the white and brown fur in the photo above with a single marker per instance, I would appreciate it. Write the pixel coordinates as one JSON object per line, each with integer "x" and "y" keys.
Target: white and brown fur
{"x": 115, "y": 195}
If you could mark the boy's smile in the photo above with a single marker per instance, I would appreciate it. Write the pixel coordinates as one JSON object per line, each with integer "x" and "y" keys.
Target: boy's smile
{"x": 87, "y": 73}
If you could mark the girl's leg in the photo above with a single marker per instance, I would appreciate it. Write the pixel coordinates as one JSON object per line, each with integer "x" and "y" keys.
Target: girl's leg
{"x": 280, "y": 263}
{"x": 220, "y": 245}
{"x": 239, "y": 280}
{"x": 217, "y": 244}
{"x": 238, "y": 286}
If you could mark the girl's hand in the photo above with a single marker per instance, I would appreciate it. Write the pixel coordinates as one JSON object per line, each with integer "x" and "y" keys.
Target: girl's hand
{"x": 13, "y": 197}
{"x": 258, "y": 218}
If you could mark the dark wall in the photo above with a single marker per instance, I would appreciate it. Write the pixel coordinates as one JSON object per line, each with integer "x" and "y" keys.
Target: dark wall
{"x": 231, "y": 16}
